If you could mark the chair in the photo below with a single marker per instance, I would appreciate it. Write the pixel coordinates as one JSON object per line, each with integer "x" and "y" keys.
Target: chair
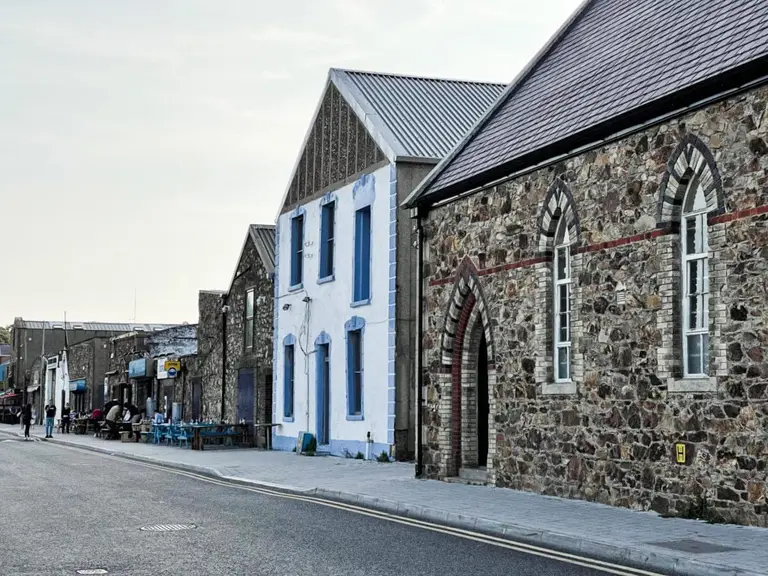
{"x": 182, "y": 436}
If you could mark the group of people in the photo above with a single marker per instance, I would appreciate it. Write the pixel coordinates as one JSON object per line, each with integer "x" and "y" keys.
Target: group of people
{"x": 50, "y": 419}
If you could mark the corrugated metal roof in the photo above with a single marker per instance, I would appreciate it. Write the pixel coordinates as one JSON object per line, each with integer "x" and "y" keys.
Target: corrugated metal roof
{"x": 91, "y": 326}
{"x": 612, "y": 58}
{"x": 425, "y": 116}
{"x": 264, "y": 239}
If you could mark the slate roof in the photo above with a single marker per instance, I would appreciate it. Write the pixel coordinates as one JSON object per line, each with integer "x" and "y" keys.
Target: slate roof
{"x": 421, "y": 118}
{"x": 263, "y": 237}
{"x": 613, "y": 65}
{"x": 90, "y": 326}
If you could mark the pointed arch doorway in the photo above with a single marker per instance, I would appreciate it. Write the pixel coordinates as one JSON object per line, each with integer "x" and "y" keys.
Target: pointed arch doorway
{"x": 467, "y": 357}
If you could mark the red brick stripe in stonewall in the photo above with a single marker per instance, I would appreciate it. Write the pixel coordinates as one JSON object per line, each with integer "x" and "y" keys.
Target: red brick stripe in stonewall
{"x": 652, "y": 235}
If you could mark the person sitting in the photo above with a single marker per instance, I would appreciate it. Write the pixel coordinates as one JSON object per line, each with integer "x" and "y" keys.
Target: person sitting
{"x": 158, "y": 418}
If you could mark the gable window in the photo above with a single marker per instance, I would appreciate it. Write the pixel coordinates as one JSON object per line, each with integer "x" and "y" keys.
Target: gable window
{"x": 695, "y": 282}
{"x": 354, "y": 329}
{"x": 289, "y": 370}
{"x": 327, "y": 225}
{"x": 249, "y": 316}
{"x": 297, "y": 250}
{"x": 562, "y": 303}
{"x": 362, "y": 264}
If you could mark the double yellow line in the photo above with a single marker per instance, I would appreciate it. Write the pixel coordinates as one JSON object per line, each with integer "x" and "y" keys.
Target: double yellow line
{"x": 574, "y": 559}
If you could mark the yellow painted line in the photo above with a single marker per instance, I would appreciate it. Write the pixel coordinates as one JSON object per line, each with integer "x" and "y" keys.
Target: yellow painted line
{"x": 574, "y": 559}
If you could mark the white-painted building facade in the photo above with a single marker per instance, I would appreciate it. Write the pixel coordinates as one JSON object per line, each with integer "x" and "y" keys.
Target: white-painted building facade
{"x": 344, "y": 304}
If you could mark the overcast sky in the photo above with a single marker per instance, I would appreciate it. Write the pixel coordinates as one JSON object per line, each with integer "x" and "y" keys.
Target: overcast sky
{"x": 139, "y": 138}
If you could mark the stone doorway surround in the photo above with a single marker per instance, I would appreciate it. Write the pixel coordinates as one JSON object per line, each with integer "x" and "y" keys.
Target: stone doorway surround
{"x": 466, "y": 321}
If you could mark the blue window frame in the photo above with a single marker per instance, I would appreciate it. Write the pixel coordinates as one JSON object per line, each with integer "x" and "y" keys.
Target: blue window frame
{"x": 297, "y": 250}
{"x": 289, "y": 371}
{"x": 355, "y": 362}
{"x": 362, "y": 279}
{"x": 327, "y": 240}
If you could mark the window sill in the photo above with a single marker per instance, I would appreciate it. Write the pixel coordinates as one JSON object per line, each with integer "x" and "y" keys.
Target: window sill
{"x": 359, "y": 303}
{"x": 705, "y": 384}
{"x": 296, "y": 287}
{"x": 355, "y": 417}
{"x": 555, "y": 388}
{"x": 326, "y": 279}
{"x": 287, "y": 419}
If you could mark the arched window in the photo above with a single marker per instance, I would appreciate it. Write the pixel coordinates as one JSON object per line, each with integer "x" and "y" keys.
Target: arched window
{"x": 695, "y": 279}
{"x": 562, "y": 302}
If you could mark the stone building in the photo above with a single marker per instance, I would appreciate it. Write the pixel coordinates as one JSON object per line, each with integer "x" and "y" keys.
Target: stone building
{"x": 86, "y": 365}
{"x": 594, "y": 269}
{"x": 173, "y": 385}
{"x": 344, "y": 317}
{"x": 243, "y": 318}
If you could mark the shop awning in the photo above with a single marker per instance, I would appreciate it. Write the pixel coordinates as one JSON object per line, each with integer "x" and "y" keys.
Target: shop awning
{"x": 32, "y": 388}
{"x": 77, "y": 385}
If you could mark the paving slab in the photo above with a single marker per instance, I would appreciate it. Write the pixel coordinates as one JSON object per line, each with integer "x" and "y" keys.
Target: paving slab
{"x": 669, "y": 546}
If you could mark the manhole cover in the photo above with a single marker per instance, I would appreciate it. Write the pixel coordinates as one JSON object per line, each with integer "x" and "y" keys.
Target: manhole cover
{"x": 93, "y": 571}
{"x": 694, "y": 546}
{"x": 168, "y": 527}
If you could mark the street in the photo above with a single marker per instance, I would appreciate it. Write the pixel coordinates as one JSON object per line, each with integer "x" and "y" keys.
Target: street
{"x": 65, "y": 510}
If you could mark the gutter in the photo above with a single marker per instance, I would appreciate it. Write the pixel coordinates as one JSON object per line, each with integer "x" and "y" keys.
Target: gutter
{"x": 417, "y": 351}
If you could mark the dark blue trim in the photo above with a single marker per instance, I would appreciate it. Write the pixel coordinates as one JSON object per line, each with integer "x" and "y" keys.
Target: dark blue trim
{"x": 298, "y": 237}
{"x": 322, "y": 343}
{"x": 289, "y": 377}
{"x": 355, "y": 324}
{"x": 361, "y": 280}
{"x": 327, "y": 262}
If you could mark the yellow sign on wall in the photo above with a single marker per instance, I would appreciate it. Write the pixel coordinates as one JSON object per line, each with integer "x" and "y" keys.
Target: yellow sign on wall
{"x": 680, "y": 453}
{"x": 175, "y": 364}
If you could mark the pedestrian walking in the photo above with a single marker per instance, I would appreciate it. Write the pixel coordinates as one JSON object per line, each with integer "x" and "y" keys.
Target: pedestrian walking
{"x": 26, "y": 419}
{"x": 50, "y": 416}
{"x": 65, "y": 418}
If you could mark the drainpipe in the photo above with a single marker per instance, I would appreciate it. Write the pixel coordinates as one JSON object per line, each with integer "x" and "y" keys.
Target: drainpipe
{"x": 224, "y": 310}
{"x": 419, "y": 327}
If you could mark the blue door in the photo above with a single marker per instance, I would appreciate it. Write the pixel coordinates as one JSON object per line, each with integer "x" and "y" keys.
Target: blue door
{"x": 323, "y": 395}
{"x": 245, "y": 396}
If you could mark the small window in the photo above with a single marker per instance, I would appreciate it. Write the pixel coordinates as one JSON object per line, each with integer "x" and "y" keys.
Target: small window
{"x": 562, "y": 303}
{"x": 362, "y": 280}
{"x": 297, "y": 250}
{"x": 289, "y": 381}
{"x": 327, "y": 225}
{"x": 355, "y": 372}
{"x": 249, "y": 315}
{"x": 695, "y": 283}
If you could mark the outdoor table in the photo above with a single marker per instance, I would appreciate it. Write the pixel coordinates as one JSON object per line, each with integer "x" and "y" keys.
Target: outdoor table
{"x": 197, "y": 430}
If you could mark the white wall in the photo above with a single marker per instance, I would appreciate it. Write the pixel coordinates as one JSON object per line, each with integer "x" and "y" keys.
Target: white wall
{"x": 328, "y": 311}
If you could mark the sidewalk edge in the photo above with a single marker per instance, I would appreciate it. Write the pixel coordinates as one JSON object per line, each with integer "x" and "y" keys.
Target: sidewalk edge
{"x": 631, "y": 556}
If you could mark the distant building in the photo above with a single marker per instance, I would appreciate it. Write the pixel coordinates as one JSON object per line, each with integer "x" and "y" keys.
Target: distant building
{"x": 34, "y": 341}
{"x": 242, "y": 317}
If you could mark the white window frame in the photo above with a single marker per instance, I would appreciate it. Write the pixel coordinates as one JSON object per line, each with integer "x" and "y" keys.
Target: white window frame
{"x": 700, "y": 219}
{"x": 562, "y": 243}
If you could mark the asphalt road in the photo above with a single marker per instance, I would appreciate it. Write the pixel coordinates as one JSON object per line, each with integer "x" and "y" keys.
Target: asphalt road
{"x": 63, "y": 510}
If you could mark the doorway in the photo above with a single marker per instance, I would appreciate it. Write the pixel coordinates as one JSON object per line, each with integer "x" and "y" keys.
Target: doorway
{"x": 245, "y": 396}
{"x": 483, "y": 405}
{"x": 323, "y": 395}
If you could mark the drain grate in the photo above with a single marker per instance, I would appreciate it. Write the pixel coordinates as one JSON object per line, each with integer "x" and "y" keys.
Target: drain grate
{"x": 168, "y": 527}
{"x": 694, "y": 546}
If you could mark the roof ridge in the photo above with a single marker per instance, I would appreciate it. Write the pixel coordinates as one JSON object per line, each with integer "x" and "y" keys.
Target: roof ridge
{"x": 418, "y": 77}
{"x": 537, "y": 59}
{"x": 263, "y": 226}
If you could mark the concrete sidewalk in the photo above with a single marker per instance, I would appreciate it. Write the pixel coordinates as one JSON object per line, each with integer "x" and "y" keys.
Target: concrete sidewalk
{"x": 643, "y": 539}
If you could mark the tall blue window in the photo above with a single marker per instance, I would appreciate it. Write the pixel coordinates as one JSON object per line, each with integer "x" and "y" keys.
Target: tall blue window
{"x": 288, "y": 375}
{"x": 362, "y": 280}
{"x": 327, "y": 225}
{"x": 354, "y": 330}
{"x": 297, "y": 250}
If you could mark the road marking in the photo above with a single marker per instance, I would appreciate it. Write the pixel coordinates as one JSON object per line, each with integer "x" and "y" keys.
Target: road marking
{"x": 574, "y": 559}
{"x": 168, "y": 527}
